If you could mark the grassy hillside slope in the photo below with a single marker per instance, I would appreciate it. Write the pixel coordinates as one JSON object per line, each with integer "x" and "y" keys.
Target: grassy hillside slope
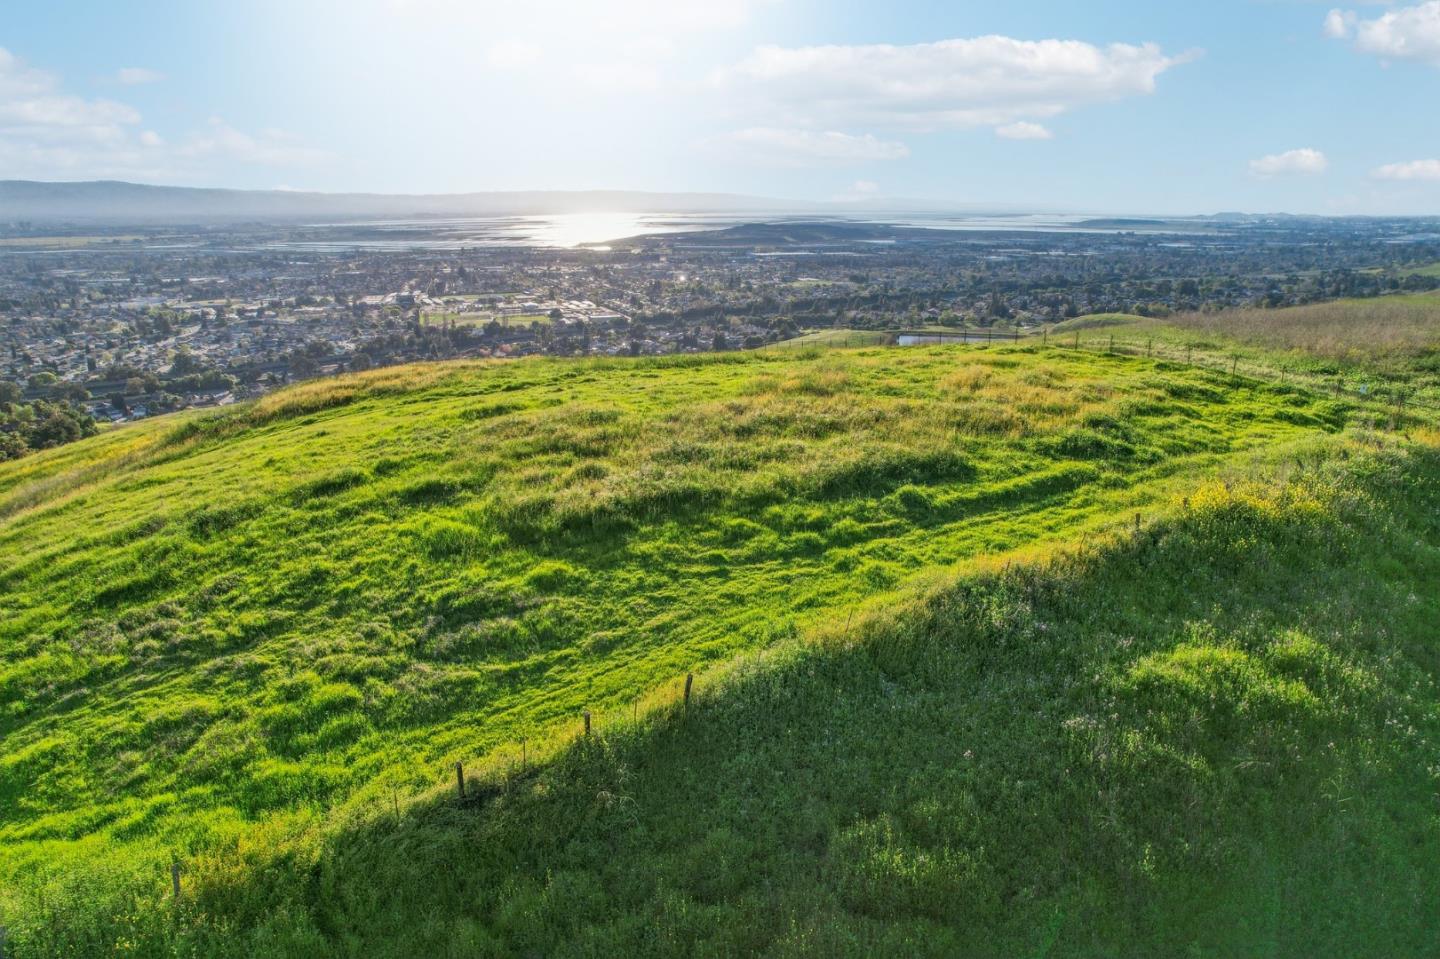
{"x": 1385, "y": 346}
{"x": 255, "y": 640}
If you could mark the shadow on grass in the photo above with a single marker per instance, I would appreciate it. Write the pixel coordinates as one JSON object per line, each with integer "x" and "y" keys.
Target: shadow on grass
{"x": 1211, "y": 738}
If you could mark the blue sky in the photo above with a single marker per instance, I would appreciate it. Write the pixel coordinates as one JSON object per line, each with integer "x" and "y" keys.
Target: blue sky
{"x": 1118, "y": 106}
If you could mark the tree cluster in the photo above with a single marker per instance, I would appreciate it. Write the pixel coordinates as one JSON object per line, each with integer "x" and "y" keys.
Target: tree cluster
{"x": 39, "y": 424}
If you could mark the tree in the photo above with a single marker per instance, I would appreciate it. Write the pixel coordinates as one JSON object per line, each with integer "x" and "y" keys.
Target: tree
{"x": 185, "y": 363}
{"x": 12, "y": 446}
{"x": 997, "y": 308}
{"x": 43, "y": 424}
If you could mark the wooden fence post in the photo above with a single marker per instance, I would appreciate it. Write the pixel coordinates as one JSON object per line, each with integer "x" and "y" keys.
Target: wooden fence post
{"x": 460, "y": 780}
{"x": 587, "y": 722}
{"x": 689, "y": 681}
{"x": 175, "y": 878}
{"x": 1077, "y": 339}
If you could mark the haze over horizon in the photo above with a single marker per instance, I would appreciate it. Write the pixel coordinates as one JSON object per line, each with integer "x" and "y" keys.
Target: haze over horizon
{"x": 1114, "y": 106}
{"x": 601, "y": 199}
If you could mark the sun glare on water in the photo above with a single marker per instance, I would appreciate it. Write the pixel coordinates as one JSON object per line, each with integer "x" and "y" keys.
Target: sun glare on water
{"x": 579, "y": 229}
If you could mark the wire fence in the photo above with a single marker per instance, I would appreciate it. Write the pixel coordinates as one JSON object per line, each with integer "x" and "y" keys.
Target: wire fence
{"x": 1400, "y": 397}
{"x": 471, "y": 791}
{"x": 498, "y": 777}
{"x": 1374, "y": 390}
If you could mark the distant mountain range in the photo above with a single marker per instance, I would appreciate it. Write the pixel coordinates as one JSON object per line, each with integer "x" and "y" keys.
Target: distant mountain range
{"x": 111, "y": 200}
{"x": 116, "y": 201}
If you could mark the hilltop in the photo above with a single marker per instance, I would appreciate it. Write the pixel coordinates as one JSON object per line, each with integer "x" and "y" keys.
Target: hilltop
{"x": 997, "y": 651}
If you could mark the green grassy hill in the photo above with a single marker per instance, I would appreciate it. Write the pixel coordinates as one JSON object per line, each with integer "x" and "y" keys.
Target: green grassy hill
{"x": 948, "y": 698}
{"x": 1384, "y": 347}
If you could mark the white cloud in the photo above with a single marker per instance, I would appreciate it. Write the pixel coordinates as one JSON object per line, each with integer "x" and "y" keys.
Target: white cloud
{"x": 1306, "y": 162}
{"x": 133, "y": 76}
{"x": 789, "y": 147}
{"x": 269, "y": 148}
{"x": 1023, "y": 130}
{"x": 1409, "y": 33}
{"x": 865, "y": 187}
{"x": 1339, "y": 24}
{"x": 47, "y": 133}
{"x": 987, "y": 81}
{"x": 1414, "y": 170}
{"x": 32, "y": 106}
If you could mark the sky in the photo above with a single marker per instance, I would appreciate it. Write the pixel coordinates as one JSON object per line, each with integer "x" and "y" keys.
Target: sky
{"x": 1083, "y": 106}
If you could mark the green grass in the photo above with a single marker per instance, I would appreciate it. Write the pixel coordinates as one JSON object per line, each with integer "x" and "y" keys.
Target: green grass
{"x": 256, "y": 640}
{"x": 1387, "y": 331}
{"x": 1432, "y": 270}
{"x": 1381, "y": 347}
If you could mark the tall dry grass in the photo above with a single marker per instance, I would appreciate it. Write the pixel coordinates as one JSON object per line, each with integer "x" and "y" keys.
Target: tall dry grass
{"x": 1387, "y": 328}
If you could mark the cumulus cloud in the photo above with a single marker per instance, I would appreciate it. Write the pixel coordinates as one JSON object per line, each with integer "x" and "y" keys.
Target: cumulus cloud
{"x": 47, "y": 133}
{"x": 986, "y": 81}
{"x": 1306, "y": 162}
{"x": 1409, "y": 33}
{"x": 134, "y": 76}
{"x": 791, "y": 147}
{"x": 1023, "y": 130}
{"x": 32, "y": 106}
{"x": 1414, "y": 170}
{"x": 1339, "y": 24}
